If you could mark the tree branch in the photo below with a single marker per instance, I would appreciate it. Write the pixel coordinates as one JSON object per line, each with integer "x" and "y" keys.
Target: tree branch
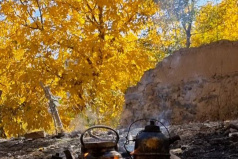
{"x": 92, "y": 13}
{"x": 31, "y": 16}
{"x": 41, "y": 16}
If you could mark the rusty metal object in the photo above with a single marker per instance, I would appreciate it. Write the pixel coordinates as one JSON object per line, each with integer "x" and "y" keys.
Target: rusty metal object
{"x": 99, "y": 148}
{"x": 152, "y": 143}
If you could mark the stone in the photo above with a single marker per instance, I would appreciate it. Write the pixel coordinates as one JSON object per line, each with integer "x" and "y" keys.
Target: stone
{"x": 35, "y": 135}
{"x": 172, "y": 155}
{"x": 233, "y": 134}
{"x": 29, "y": 150}
{"x": 176, "y": 151}
{"x": 74, "y": 134}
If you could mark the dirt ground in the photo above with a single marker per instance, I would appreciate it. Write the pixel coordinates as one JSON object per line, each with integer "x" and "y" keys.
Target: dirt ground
{"x": 211, "y": 140}
{"x": 198, "y": 141}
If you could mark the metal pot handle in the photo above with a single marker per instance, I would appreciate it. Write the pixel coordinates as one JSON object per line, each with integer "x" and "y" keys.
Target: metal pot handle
{"x": 99, "y": 126}
{"x": 146, "y": 119}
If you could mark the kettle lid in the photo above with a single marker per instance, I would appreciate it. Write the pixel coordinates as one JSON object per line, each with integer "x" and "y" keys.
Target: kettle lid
{"x": 152, "y": 127}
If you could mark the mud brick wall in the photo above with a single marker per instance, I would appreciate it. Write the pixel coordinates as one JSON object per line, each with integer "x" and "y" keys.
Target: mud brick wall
{"x": 195, "y": 84}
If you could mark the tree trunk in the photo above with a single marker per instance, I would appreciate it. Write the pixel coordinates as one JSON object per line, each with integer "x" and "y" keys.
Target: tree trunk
{"x": 53, "y": 109}
{"x": 55, "y": 114}
{"x": 2, "y": 132}
{"x": 188, "y": 38}
{"x": 188, "y": 34}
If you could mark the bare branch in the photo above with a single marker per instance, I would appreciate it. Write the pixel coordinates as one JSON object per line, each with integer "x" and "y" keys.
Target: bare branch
{"x": 51, "y": 71}
{"x": 30, "y": 15}
{"x": 93, "y": 22}
{"x": 41, "y": 16}
{"x": 92, "y": 13}
{"x": 26, "y": 25}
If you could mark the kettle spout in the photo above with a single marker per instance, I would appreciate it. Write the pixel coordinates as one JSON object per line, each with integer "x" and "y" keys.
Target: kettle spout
{"x": 173, "y": 139}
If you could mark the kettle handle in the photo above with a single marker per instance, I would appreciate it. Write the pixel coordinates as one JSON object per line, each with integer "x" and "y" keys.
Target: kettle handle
{"x": 146, "y": 119}
{"x": 99, "y": 126}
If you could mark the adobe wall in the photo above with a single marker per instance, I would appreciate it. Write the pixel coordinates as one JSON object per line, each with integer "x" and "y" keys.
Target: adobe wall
{"x": 194, "y": 84}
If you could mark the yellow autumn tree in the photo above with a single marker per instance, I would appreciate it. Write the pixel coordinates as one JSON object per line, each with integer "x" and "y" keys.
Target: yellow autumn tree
{"x": 86, "y": 51}
{"x": 174, "y": 24}
{"x": 216, "y": 22}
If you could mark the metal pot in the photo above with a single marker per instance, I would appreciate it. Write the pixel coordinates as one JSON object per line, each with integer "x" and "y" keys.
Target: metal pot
{"x": 151, "y": 143}
{"x": 99, "y": 148}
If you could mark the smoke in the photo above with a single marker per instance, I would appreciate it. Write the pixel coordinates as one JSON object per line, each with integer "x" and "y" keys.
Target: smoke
{"x": 164, "y": 107}
{"x": 165, "y": 113}
{"x": 164, "y": 117}
{"x": 83, "y": 121}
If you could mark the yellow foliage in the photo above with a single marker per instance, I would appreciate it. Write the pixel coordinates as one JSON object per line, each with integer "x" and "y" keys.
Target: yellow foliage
{"x": 87, "y": 52}
{"x": 216, "y": 22}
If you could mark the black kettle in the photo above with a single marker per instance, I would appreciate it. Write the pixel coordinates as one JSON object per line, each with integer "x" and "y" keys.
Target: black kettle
{"x": 99, "y": 146}
{"x": 151, "y": 143}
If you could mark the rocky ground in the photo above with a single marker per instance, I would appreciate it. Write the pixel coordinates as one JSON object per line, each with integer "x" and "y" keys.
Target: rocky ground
{"x": 198, "y": 141}
{"x": 211, "y": 140}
